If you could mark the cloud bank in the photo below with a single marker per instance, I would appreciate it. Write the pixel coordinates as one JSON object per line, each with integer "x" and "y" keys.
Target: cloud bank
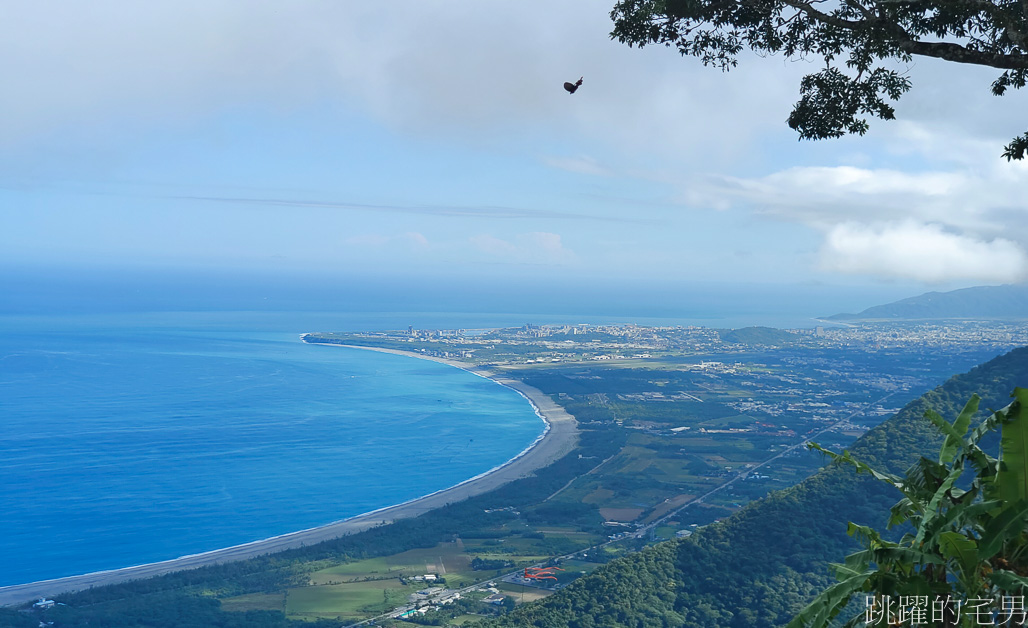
{"x": 925, "y": 252}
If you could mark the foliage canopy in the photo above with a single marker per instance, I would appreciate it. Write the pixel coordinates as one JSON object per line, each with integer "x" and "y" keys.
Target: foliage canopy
{"x": 859, "y": 41}
{"x": 968, "y": 545}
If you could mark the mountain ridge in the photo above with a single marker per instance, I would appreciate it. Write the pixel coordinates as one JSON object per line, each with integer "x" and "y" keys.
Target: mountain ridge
{"x": 1009, "y": 301}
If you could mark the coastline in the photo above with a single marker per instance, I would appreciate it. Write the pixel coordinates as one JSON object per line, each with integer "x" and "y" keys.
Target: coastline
{"x": 558, "y": 438}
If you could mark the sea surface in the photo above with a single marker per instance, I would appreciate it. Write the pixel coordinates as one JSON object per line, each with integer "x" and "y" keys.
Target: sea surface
{"x": 132, "y": 439}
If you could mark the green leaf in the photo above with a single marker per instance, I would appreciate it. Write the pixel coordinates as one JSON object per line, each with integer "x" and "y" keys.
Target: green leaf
{"x": 904, "y": 556}
{"x": 958, "y": 518}
{"x": 960, "y": 426}
{"x": 1012, "y": 478}
{"x": 830, "y": 602}
{"x": 901, "y": 512}
{"x": 843, "y": 571}
{"x": 965, "y": 552}
{"x": 1008, "y": 580}
{"x": 933, "y": 510}
{"x": 1004, "y": 526}
{"x": 865, "y": 535}
{"x": 888, "y": 478}
{"x": 951, "y": 433}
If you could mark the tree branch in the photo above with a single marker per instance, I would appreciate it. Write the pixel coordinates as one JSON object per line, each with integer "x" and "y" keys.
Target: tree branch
{"x": 960, "y": 54}
{"x": 907, "y": 43}
{"x": 826, "y": 18}
{"x": 1011, "y": 27}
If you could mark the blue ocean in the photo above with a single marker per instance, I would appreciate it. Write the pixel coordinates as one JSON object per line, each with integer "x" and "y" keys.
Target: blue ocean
{"x": 133, "y": 439}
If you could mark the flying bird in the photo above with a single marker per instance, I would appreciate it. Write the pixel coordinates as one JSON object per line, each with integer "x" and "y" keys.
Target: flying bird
{"x": 571, "y": 87}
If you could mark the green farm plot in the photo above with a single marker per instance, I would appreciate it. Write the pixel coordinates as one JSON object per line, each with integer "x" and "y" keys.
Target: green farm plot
{"x": 359, "y": 570}
{"x": 726, "y": 445}
{"x": 579, "y": 566}
{"x": 520, "y": 593}
{"x": 445, "y": 559}
{"x": 636, "y": 464}
{"x": 568, "y": 532}
{"x": 448, "y": 560}
{"x": 523, "y": 549}
{"x": 735, "y": 420}
{"x": 632, "y": 458}
{"x": 353, "y": 599}
{"x": 659, "y": 463}
{"x": 672, "y": 468}
{"x": 586, "y": 489}
{"x": 255, "y": 602}
{"x": 670, "y": 504}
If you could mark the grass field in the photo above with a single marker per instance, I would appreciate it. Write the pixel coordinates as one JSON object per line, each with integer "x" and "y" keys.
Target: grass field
{"x": 445, "y": 559}
{"x": 255, "y": 602}
{"x": 355, "y": 599}
{"x": 372, "y": 586}
{"x": 529, "y": 594}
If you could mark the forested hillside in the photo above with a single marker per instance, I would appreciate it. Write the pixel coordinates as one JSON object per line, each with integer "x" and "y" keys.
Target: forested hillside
{"x": 759, "y": 566}
{"x": 766, "y": 336}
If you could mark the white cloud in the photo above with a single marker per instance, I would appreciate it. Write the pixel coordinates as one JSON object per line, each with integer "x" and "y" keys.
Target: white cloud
{"x": 448, "y": 68}
{"x": 582, "y": 164}
{"x": 538, "y": 247}
{"x": 924, "y": 252}
{"x": 464, "y": 71}
{"x": 937, "y": 225}
{"x": 410, "y": 240}
{"x": 492, "y": 245}
{"x": 825, "y": 196}
{"x": 549, "y": 244}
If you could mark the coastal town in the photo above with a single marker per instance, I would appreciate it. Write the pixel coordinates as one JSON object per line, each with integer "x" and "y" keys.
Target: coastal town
{"x": 540, "y": 344}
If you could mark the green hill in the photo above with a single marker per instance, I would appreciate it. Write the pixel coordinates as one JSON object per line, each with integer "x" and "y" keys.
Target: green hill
{"x": 761, "y": 565}
{"x": 986, "y": 302}
{"x": 767, "y": 336}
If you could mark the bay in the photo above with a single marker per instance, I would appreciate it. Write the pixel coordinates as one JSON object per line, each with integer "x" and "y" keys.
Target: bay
{"x": 133, "y": 439}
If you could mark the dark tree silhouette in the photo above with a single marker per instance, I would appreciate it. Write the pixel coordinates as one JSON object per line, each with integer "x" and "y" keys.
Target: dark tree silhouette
{"x": 856, "y": 38}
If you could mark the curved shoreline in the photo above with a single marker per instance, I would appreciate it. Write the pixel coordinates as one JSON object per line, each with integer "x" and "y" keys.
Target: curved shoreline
{"x": 558, "y": 438}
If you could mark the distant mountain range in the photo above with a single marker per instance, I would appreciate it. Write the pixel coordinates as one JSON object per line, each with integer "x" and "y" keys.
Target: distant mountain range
{"x": 989, "y": 302}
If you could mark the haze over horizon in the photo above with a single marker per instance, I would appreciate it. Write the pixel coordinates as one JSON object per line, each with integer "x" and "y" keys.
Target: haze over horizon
{"x": 435, "y": 142}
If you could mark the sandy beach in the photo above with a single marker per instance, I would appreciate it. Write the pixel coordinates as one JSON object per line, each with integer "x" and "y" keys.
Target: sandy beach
{"x": 560, "y": 438}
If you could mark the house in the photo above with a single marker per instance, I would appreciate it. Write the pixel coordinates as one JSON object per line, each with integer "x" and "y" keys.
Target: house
{"x": 448, "y": 599}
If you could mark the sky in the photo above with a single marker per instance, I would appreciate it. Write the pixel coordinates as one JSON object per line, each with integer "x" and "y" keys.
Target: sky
{"x": 434, "y": 139}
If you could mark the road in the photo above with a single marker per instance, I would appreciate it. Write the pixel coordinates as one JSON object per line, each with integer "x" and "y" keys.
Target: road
{"x": 742, "y": 474}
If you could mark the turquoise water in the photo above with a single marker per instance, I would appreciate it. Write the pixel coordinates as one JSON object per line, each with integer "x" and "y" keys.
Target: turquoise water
{"x": 129, "y": 440}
